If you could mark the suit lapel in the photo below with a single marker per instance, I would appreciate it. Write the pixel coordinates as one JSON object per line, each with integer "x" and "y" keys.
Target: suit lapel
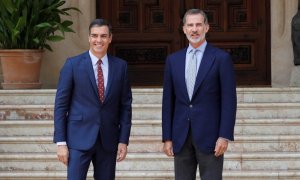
{"x": 111, "y": 69}
{"x": 206, "y": 63}
{"x": 90, "y": 71}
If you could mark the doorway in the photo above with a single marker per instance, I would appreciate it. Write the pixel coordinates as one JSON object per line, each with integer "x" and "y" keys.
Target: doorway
{"x": 146, "y": 31}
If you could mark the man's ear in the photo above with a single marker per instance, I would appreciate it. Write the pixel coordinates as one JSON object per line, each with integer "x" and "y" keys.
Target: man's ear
{"x": 207, "y": 27}
{"x": 111, "y": 36}
{"x": 183, "y": 29}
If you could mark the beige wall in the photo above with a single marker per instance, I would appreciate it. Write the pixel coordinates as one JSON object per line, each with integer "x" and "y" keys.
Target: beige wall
{"x": 284, "y": 73}
{"x": 75, "y": 43}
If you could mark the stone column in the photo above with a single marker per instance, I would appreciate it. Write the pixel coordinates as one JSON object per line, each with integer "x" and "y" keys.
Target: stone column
{"x": 295, "y": 79}
{"x": 75, "y": 43}
{"x": 284, "y": 73}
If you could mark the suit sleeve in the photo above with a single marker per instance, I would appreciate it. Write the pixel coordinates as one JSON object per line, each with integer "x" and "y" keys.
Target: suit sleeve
{"x": 167, "y": 103}
{"x": 125, "y": 109}
{"x": 62, "y": 101}
{"x": 228, "y": 98}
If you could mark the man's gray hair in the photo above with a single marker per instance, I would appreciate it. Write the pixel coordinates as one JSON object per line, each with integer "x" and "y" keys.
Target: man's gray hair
{"x": 195, "y": 11}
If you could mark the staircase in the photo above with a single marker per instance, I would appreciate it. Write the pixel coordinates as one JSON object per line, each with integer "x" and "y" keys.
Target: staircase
{"x": 266, "y": 146}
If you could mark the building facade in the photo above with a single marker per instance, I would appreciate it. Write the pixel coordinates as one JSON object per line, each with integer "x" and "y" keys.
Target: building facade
{"x": 283, "y": 71}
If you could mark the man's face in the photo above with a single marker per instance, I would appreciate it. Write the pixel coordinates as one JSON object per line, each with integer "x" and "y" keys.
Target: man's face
{"x": 99, "y": 40}
{"x": 195, "y": 29}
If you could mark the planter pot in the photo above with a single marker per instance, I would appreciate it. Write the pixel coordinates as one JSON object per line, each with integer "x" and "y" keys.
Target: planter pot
{"x": 21, "y": 68}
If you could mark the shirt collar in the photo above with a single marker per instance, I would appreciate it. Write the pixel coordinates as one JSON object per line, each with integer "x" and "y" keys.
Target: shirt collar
{"x": 95, "y": 59}
{"x": 201, "y": 48}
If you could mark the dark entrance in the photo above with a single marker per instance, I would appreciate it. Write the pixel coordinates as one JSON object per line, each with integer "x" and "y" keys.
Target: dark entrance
{"x": 146, "y": 31}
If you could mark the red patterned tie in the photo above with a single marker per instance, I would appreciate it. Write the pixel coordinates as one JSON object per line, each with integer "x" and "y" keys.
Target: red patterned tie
{"x": 100, "y": 81}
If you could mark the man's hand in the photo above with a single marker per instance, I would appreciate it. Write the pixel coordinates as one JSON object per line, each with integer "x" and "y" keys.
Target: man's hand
{"x": 168, "y": 148}
{"x": 122, "y": 151}
{"x": 221, "y": 146}
{"x": 63, "y": 154}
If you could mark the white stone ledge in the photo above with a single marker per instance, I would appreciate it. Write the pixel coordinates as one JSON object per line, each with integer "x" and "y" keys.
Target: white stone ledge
{"x": 156, "y": 90}
{"x": 239, "y": 122}
{"x": 244, "y": 138}
{"x": 159, "y": 156}
{"x": 150, "y": 175}
{"x": 26, "y": 107}
{"x": 141, "y": 106}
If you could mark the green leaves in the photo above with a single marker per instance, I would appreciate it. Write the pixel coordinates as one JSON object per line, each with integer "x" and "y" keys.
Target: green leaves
{"x": 30, "y": 24}
{"x": 55, "y": 38}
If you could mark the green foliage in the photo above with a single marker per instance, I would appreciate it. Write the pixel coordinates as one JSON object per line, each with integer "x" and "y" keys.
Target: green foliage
{"x": 30, "y": 24}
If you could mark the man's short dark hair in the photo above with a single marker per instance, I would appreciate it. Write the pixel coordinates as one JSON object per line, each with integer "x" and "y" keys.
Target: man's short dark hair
{"x": 100, "y": 22}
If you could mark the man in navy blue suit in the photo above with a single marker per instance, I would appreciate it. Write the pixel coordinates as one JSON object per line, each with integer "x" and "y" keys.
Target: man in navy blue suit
{"x": 199, "y": 103}
{"x": 92, "y": 114}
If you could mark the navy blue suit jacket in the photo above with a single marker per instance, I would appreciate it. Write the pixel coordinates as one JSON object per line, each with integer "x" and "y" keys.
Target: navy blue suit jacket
{"x": 211, "y": 113}
{"x": 79, "y": 116}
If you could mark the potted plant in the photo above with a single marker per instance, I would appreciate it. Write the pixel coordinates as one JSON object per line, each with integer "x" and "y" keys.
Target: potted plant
{"x": 26, "y": 27}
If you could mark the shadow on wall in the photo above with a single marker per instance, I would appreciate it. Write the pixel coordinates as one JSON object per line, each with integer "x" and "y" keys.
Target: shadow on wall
{"x": 296, "y": 36}
{"x": 1, "y": 76}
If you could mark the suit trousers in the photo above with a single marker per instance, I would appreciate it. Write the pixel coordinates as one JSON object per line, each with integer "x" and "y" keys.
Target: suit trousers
{"x": 189, "y": 157}
{"x": 104, "y": 163}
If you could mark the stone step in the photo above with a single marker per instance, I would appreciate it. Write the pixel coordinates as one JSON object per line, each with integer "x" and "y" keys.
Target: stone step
{"x": 244, "y": 95}
{"x": 26, "y": 112}
{"x": 267, "y": 126}
{"x": 269, "y": 95}
{"x": 254, "y": 143}
{"x": 153, "y": 175}
{"x": 153, "y": 111}
{"x": 23, "y": 97}
{"x": 155, "y": 161}
{"x": 244, "y": 111}
{"x": 47, "y": 96}
{"x": 266, "y": 146}
{"x": 153, "y": 127}
{"x": 45, "y": 127}
{"x": 153, "y": 95}
{"x": 250, "y": 143}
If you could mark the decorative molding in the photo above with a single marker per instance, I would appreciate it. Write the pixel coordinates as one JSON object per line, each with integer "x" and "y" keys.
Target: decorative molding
{"x": 157, "y": 17}
{"x": 240, "y": 54}
{"x": 214, "y": 11}
{"x": 126, "y": 16}
{"x": 241, "y": 16}
{"x": 142, "y": 54}
{"x": 238, "y": 13}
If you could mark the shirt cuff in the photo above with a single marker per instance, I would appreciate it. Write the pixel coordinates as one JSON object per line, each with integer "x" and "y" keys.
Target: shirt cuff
{"x": 224, "y": 139}
{"x": 61, "y": 143}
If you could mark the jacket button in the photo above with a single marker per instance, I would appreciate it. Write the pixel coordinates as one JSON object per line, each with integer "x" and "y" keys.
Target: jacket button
{"x": 191, "y": 105}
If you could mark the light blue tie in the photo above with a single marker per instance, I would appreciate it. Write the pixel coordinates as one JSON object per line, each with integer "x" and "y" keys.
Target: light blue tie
{"x": 192, "y": 73}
